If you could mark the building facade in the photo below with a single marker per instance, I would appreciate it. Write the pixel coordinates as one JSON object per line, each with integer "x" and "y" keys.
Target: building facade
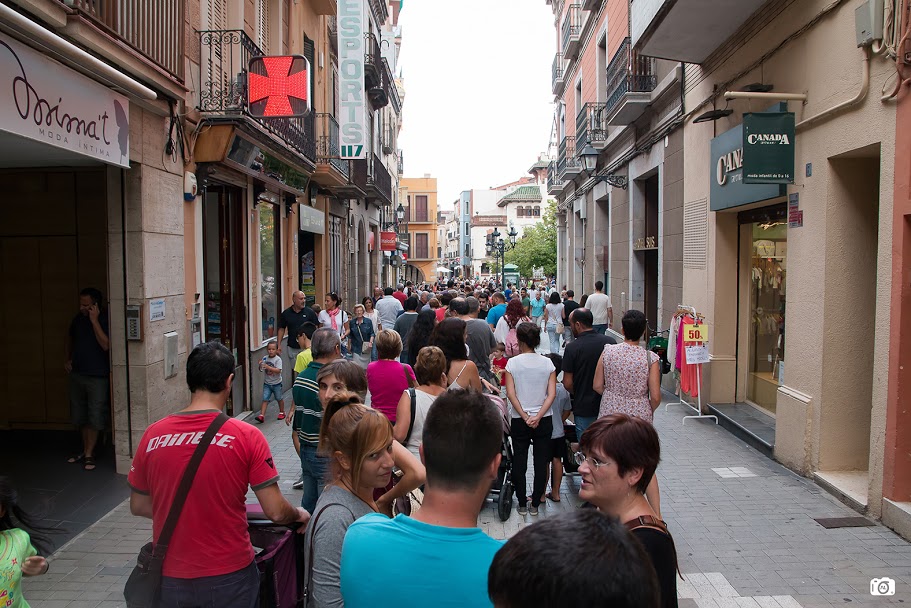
{"x": 769, "y": 265}
{"x": 419, "y": 196}
{"x": 619, "y": 221}
{"x": 196, "y": 218}
{"x": 896, "y": 508}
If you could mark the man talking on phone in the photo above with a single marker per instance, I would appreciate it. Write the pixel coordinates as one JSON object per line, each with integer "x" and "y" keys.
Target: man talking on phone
{"x": 88, "y": 364}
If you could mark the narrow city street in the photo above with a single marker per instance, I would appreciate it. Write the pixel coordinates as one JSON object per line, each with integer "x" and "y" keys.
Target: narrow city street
{"x": 744, "y": 527}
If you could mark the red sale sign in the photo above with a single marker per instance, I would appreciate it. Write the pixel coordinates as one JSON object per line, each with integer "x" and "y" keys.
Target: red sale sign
{"x": 387, "y": 241}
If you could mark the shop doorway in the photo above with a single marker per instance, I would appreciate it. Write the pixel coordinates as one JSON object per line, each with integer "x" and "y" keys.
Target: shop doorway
{"x": 764, "y": 250}
{"x": 307, "y": 252}
{"x": 223, "y": 270}
{"x": 649, "y": 252}
{"x": 53, "y": 242}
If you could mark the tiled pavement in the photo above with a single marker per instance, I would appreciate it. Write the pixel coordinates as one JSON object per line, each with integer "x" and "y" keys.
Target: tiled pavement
{"x": 743, "y": 526}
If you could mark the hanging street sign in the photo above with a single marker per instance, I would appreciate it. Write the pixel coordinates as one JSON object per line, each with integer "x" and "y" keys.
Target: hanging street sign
{"x": 768, "y": 148}
{"x": 352, "y": 25}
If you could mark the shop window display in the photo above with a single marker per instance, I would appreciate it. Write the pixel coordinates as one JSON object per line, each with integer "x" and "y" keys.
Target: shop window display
{"x": 768, "y": 270}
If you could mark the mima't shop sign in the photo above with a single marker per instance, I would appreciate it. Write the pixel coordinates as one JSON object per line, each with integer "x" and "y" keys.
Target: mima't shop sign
{"x": 44, "y": 101}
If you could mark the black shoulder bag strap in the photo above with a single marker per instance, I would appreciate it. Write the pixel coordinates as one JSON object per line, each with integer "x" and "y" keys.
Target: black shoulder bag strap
{"x": 414, "y": 409}
{"x": 308, "y": 576}
{"x": 161, "y": 547}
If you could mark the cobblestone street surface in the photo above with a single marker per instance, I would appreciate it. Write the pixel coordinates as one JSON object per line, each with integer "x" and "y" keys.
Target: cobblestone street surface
{"x": 743, "y": 525}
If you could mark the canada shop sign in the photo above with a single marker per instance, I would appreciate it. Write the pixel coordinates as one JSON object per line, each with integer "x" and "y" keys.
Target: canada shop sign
{"x": 768, "y": 148}
{"x": 42, "y": 100}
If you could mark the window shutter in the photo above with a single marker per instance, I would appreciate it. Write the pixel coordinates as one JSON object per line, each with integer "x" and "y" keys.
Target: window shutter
{"x": 263, "y": 25}
{"x": 216, "y": 15}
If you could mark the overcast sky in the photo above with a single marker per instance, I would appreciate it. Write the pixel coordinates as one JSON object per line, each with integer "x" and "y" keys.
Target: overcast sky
{"x": 478, "y": 102}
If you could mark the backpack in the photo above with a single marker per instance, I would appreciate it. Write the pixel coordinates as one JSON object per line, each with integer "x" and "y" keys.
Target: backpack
{"x": 512, "y": 343}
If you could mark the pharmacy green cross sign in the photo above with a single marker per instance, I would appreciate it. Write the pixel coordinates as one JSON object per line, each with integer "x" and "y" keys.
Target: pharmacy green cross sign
{"x": 768, "y": 148}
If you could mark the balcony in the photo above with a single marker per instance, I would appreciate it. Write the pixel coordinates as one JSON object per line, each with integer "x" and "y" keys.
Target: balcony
{"x": 401, "y": 163}
{"x": 371, "y": 177}
{"x": 572, "y": 30}
{"x": 686, "y": 30}
{"x": 224, "y": 56}
{"x": 554, "y": 181}
{"x": 568, "y": 164}
{"x": 392, "y": 91}
{"x": 331, "y": 170}
{"x": 558, "y": 75}
{"x": 373, "y": 62}
{"x": 591, "y": 126}
{"x": 153, "y": 29}
{"x": 630, "y": 80}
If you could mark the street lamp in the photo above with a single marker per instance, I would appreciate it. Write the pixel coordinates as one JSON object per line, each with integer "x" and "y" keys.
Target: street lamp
{"x": 589, "y": 157}
{"x": 498, "y": 247}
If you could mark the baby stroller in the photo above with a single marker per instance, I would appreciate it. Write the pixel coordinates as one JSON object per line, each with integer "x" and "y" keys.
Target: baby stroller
{"x": 279, "y": 558}
{"x": 502, "y": 489}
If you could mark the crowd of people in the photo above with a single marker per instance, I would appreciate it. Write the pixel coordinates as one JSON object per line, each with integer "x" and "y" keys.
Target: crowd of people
{"x": 398, "y": 419}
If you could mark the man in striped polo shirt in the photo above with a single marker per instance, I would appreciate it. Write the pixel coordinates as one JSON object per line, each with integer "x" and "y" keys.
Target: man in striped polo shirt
{"x": 325, "y": 347}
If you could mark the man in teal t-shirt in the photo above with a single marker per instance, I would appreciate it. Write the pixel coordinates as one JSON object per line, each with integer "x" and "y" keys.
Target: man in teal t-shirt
{"x": 537, "y": 307}
{"x": 448, "y": 554}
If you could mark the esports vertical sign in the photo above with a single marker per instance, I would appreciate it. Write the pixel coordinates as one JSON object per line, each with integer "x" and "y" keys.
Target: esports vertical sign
{"x": 352, "y": 23}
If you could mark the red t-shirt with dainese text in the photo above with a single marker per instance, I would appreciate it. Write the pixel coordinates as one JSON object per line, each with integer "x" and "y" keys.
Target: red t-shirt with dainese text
{"x": 211, "y": 535}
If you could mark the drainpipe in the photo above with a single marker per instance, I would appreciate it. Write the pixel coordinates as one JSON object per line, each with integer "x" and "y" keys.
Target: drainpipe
{"x": 126, "y": 294}
{"x": 864, "y": 88}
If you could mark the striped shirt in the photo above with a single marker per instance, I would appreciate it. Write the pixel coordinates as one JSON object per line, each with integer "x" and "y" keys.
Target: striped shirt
{"x": 307, "y": 407}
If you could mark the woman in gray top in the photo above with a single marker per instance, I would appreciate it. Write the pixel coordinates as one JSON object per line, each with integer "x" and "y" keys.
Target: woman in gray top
{"x": 358, "y": 442}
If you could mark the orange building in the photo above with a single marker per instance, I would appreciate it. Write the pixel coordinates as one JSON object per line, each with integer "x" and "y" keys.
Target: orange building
{"x": 419, "y": 197}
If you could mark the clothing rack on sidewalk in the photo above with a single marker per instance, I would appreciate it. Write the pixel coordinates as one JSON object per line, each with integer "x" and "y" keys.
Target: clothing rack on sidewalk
{"x": 698, "y": 319}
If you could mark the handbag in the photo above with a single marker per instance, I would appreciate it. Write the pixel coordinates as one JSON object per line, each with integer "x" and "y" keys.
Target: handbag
{"x": 408, "y": 379}
{"x": 366, "y": 349}
{"x": 560, "y": 328}
{"x": 143, "y": 588}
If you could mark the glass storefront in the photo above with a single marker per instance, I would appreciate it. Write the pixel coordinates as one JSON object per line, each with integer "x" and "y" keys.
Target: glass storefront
{"x": 768, "y": 256}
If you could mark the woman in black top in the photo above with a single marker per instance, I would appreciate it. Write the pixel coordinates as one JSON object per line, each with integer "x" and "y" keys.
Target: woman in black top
{"x": 617, "y": 457}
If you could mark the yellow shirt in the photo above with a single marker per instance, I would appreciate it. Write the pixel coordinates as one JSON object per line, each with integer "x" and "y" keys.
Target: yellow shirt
{"x": 303, "y": 360}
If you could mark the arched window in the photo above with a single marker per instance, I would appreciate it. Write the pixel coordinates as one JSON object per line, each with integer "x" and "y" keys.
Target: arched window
{"x": 520, "y": 212}
{"x": 537, "y": 211}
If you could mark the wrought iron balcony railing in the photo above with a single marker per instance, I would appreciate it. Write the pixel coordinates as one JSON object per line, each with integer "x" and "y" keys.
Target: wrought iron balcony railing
{"x": 629, "y": 72}
{"x": 553, "y": 177}
{"x": 328, "y": 150}
{"x": 572, "y": 25}
{"x": 567, "y": 161}
{"x": 392, "y": 91}
{"x": 224, "y": 56}
{"x": 370, "y": 175}
{"x": 373, "y": 62}
{"x": 557, "y": 71}
{"x": 591, "y": 124}
{"x": 154, "y": 29}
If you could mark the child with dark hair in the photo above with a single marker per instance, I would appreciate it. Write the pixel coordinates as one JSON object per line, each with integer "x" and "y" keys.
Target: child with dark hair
{"x": 582, "y": 558}
{"x": 19, "y": 535}
{"x": 561, "y": 409}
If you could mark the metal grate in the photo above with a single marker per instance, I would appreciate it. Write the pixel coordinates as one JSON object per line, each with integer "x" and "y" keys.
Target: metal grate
{"x": 844, "y": 522}
{"x": 695, "y": 233}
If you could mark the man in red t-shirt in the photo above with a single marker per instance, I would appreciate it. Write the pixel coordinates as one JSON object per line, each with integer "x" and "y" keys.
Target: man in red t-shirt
{"x": 210, "y": 554}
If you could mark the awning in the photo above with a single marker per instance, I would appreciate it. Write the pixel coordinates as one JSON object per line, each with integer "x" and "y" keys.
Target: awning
{"x": 443, "y": 269}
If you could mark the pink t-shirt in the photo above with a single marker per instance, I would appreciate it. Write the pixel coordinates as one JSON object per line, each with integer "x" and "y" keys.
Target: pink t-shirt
{"x": 386, "y": 382}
